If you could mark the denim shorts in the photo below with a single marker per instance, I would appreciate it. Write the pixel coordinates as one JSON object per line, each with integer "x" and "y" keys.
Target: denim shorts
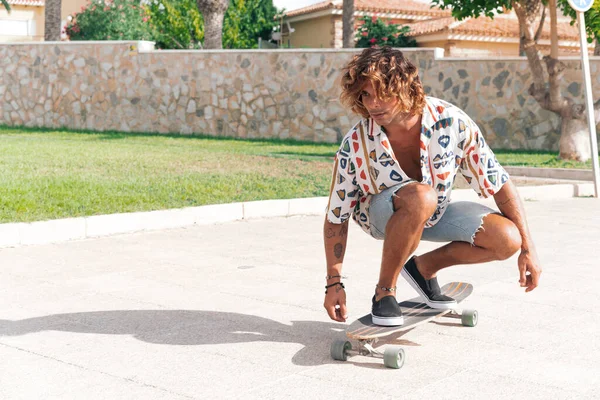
{"x": 459, "y": 223}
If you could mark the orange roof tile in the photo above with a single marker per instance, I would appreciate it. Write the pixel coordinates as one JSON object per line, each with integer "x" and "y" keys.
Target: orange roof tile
{"x": 376, "y": 6}
{"x": 497, "y": 27}
{"x": 430, "y": 26}
{"x": 324, "y": 5}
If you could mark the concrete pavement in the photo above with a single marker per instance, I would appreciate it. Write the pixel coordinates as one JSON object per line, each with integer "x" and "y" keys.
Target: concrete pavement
{"x": 235, "y": 311}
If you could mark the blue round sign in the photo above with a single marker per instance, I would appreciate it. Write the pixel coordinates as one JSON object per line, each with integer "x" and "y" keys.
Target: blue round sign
{"x": 581, "y": 5}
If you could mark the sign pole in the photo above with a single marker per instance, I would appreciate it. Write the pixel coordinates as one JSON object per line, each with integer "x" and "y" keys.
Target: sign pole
{"x": 589, "y": 101}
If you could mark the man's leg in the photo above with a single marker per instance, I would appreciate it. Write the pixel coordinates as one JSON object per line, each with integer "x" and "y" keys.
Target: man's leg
{"x": 497, "y": 239}
{"x": 414, "y": 204}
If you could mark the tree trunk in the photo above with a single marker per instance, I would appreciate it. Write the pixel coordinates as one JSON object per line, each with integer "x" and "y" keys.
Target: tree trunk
{"x": 541, "y": 25}
{"x": 574, "y": 142}
{"x": 521, "y": 42}
{"x": 597, "y": 47}
{"x": 553, "y": 30}
{"x": 538, "y": 33}
{"x": 526, "y": 14}
{"x": 52, "y": 14}
{"x": 213, "y": 12}
{"x": 348, "y": 24}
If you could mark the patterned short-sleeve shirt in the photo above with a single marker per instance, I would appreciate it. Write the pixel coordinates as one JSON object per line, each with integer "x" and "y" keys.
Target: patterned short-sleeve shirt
{"x": 450, "y": 143}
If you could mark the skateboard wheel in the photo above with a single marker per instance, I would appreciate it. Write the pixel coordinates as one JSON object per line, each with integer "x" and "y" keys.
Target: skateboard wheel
{"x": 339, "y": 350}
{"x": 393, "y": 357}
{"x": 469, "y": 317}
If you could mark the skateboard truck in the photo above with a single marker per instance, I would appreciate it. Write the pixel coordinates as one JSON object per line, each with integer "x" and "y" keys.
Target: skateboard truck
{"x": 393, "y": 356}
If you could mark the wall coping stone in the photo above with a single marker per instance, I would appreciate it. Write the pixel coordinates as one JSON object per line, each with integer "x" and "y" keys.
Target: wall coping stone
{"x": 145, "y": 46}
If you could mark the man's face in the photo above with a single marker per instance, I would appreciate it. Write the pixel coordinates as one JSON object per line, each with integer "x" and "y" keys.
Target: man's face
{"x": 382, "y": 112}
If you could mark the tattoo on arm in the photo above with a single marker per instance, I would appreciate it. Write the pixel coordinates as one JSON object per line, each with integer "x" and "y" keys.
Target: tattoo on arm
{"x": 506, "y": 201}
{"x": 329, "y": 233}
{"x": 344, "y": 230}
{"x": 337, "y": 250}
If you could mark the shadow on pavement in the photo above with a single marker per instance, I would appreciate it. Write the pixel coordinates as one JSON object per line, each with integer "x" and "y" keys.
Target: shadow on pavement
{"x": 189, "y": 327}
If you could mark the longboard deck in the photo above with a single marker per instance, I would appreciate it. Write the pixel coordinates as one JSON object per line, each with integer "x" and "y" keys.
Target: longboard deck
{"x": 415, "y": 313}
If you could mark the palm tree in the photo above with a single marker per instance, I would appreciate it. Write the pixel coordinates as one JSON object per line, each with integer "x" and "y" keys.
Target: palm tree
{"x": 6, "y": 5}
{"x": 52, "y": 14}
{"x": 348, "y": 23}
{"x": 213, "y": 12}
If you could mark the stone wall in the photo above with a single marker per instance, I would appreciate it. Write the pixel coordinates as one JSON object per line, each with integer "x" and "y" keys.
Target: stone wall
{"x": 127, "y": 86}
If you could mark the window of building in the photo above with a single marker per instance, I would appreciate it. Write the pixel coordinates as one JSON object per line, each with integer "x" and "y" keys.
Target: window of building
{"x": 9, "y": 27}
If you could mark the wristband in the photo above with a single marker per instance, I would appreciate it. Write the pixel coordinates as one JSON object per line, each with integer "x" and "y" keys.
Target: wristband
{"x": 334, "y": 284}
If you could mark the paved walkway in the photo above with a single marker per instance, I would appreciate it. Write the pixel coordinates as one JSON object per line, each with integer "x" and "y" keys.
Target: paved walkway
{"x": 235, "y": 311}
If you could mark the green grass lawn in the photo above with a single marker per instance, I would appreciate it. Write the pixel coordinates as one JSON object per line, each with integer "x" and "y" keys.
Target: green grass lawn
{"x": 534, "y": 158}
{"x": 48, "y": 174}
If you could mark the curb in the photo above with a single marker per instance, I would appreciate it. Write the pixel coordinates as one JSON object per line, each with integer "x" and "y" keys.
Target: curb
{"x": 552, "y": 173}
{"x": 62, "y": 230}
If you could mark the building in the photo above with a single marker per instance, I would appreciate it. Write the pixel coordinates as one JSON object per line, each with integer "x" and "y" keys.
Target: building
{"x": 25, "y": 23}
{"x": 473, "y": 37}
{"x": 320, "y": 26}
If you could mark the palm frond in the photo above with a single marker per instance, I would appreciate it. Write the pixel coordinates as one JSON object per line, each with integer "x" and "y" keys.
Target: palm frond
{"x": 6, "y": 5}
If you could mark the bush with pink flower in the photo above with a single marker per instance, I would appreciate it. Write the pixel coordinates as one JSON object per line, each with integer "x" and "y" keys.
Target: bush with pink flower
{"x": 374, "y": 31}
{"x": 109, "y": 19}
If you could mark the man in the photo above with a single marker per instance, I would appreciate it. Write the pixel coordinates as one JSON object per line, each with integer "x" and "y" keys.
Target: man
{"x": 393, "y": 174}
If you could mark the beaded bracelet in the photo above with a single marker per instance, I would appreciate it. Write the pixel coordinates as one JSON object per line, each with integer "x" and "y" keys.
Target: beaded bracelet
{"x": 386, "y": 289}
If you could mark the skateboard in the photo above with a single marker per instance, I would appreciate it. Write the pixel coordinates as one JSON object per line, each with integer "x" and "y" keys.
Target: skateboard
{"x": 415, "y": 313}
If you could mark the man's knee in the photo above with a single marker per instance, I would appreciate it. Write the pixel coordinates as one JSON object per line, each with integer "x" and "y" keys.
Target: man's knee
{"x": 502, "y": 236}
{"x": 512, "y": 238}
{"x": 417, "y": 199}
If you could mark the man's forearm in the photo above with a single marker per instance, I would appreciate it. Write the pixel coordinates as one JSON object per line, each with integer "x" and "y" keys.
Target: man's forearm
{"x": 335, "y": 237}
{"x": 510, "y": 204}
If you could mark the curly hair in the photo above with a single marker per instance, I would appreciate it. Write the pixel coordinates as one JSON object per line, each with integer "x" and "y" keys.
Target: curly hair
{"x": 391, "y": 74}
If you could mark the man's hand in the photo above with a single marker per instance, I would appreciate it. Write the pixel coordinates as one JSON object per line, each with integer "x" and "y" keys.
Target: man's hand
{"x": 529, "y": 270}
{"x": 335, "y": 303}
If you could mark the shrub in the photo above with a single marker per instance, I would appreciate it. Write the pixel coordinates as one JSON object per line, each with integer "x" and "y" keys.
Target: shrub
{"x": 110, "y": 20}
{"x": 171, "y": 24}
{"x": 175, "y": 24}
{"x": 246, "y": 21}
{"x": 375, "y": 32}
